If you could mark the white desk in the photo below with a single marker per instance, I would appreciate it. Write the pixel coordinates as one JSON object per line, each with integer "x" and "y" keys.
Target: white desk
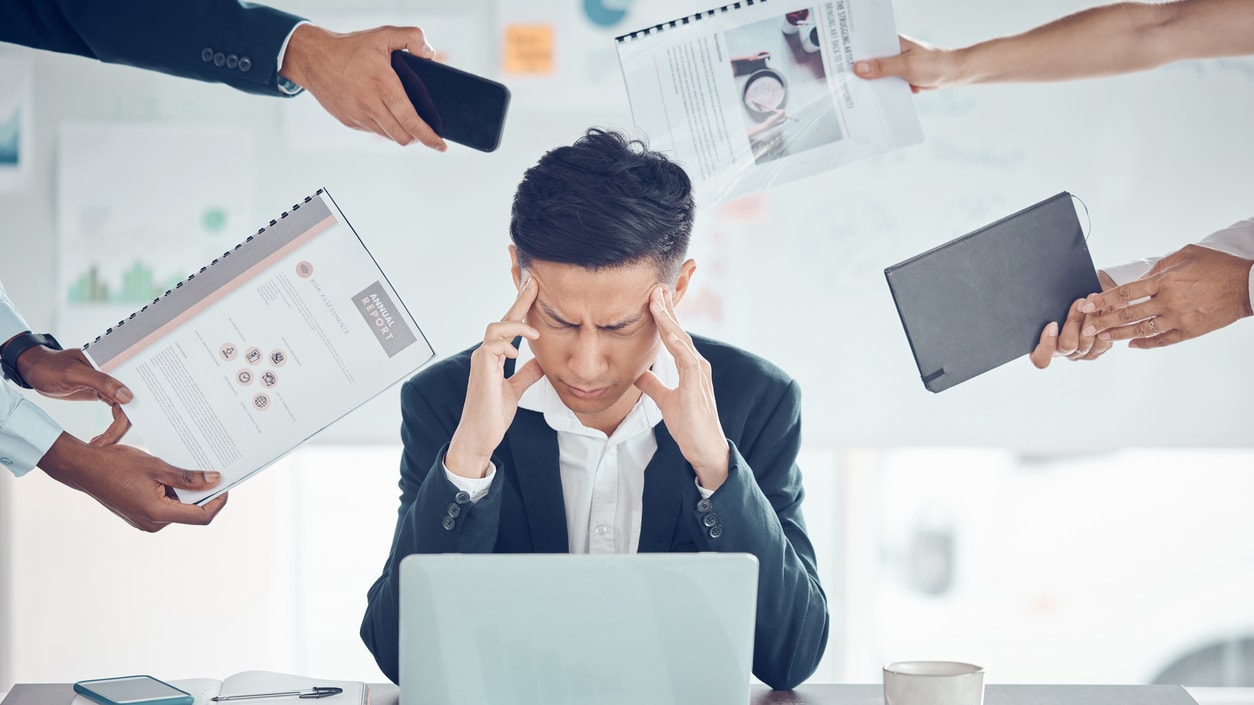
{"x": 388, "y": 694}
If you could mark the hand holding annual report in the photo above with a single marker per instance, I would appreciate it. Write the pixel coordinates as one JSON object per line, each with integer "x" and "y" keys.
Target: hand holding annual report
{"x": 272, "y": 342}
{"x": 762, "y": 92}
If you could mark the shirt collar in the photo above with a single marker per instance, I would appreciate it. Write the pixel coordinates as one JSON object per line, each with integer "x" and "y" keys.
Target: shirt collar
{"x": 542, "y": 397}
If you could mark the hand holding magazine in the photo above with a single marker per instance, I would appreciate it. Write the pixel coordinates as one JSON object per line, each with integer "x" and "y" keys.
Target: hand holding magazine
{"x": 761, "y": 92}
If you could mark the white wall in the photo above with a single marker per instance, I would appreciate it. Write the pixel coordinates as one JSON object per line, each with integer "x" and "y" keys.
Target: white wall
{"x": 1160, "y": 159}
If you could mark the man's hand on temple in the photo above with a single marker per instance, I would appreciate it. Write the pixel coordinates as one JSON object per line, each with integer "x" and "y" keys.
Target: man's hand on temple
{"x": 491, "y": 398}
{"x": 689, "y": 409}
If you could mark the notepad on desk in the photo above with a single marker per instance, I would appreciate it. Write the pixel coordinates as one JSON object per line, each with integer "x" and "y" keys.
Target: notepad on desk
{"x": 262, "y": 687}
{"x": 982, "y": 300}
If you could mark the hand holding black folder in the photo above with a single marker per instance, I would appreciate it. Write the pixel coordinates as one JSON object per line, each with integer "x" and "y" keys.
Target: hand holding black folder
{"x": 983, "y": 299}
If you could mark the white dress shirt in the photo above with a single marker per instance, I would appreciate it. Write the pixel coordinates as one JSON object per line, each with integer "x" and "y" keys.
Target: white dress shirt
{"x": 26, "y": 432}
{"x": 602, "y": 476}
{"x": 1236, "y": 239}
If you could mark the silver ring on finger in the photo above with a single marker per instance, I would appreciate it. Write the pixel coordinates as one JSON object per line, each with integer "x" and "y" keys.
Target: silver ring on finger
{"x": 1152, "y": 327}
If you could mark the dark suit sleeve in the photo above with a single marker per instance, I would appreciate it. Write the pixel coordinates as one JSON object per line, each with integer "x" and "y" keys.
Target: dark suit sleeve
{"x": 222, "y": 41}
{"x": 434, "y": 517}
{"x": 758, "y": 510}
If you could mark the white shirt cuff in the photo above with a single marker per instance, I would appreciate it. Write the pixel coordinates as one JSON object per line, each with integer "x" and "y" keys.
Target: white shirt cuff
{"x": 285, "y": 85}
{"x": 476, "y": 487}
{"x": 705, "y": 494}
{"x": 26, "y": 432}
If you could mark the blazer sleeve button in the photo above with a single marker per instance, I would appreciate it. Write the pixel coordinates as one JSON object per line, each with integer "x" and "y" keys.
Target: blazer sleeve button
{"x": 454, "y": 510}
{"x": 449, "y": 523}
{"x": 232, "y": 61}
{"x": 462, "y": 497}
{"x": 716, "y": 531}
{"x": 704, "y": 505}
{"x": 245, "y": 64}
{"x": 219, "y": 59}
{"x": 710, "y": 520}
{"x": 206, "y": 55}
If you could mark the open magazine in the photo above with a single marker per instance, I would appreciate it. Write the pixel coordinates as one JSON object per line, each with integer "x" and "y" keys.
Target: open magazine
{"x": 762, "y": 92}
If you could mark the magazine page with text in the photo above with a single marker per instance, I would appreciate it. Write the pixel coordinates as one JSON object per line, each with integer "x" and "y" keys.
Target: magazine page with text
{"x": 257, "y": 352}
{"x": 753, "y": 94}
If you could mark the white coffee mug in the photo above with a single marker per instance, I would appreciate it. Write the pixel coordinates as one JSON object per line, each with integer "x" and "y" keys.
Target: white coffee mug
{"x": 933, "y": 683}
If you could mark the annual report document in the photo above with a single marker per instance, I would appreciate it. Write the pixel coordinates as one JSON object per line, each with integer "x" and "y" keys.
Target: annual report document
{"x": 269, "y": 344}
{"x": 761, "y": 92}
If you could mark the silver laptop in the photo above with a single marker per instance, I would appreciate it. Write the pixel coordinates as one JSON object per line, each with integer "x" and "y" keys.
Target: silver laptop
{"x": 556, "y": 629}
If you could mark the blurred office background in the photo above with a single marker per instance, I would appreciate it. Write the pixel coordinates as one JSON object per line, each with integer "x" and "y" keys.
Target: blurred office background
{"x": 1087, "y": 524}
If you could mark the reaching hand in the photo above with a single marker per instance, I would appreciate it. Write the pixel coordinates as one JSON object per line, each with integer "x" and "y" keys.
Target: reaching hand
{"x": 1190, "y": 293}
{"x": 66, "y": 374}
{"x": 491, "y": 398}
{"x": 351, "y": 76}
{"x": 131, "y": 483}
{"x": 923, "y": 66}
{"x": 689, "y": 409}
{"x": 1077, "y": 340}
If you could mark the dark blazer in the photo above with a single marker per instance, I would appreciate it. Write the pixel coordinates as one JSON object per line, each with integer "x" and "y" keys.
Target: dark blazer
{"x": 757, "y": 510}
{"x": 224, "y": 41}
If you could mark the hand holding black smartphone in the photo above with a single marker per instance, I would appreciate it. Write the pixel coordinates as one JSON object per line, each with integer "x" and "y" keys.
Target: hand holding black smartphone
{"x": 459, "y": 106}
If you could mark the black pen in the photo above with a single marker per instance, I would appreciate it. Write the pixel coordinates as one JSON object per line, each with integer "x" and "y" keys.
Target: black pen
{"x": 317, "y": 692}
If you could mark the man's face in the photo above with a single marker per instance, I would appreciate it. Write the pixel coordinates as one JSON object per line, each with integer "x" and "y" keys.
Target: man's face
{"x": 597, "y": 335}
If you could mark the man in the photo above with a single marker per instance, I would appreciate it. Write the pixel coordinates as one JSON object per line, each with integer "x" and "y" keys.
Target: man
{"x": 245, "y": 45}
{"x": 1191, "y": 292}
{"x": 610, "y": 429}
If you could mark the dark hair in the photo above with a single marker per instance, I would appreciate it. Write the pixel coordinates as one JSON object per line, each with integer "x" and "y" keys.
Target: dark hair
{"x": 604, "y": 202}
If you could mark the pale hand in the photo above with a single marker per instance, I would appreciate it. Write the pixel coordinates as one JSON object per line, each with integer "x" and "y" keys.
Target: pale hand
{"x": 689, "y": 409}
{"x": 923, "y": 66}
{"x": 1191, "y": 292}
{"x": 351, "y": 76}
{"x": 491, "y": 397}
{"x": 1078, "y": 338}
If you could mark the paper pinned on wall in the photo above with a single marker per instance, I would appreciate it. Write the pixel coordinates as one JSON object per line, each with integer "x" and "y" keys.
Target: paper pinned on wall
{"x": 16, "y": 110}
{"x": 528, "y": 49}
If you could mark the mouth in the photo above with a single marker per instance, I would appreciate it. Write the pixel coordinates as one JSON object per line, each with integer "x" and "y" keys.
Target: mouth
{"x": 587, "y": 393}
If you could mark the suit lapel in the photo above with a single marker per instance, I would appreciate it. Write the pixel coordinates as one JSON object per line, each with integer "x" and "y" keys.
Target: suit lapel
{"x": 663, "y": 493}
{"x": 533, "y": 446}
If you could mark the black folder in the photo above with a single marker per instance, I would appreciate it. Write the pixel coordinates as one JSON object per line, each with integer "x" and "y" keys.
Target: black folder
{"x": 983, "y": 299}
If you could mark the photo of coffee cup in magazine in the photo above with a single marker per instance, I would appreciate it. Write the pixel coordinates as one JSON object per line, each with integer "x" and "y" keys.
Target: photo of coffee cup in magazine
{"x": 778, "y": 67}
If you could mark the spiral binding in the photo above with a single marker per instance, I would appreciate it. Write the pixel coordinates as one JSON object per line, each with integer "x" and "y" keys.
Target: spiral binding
{"x": 260, "y": 231}
{"x": 696, "y": 17}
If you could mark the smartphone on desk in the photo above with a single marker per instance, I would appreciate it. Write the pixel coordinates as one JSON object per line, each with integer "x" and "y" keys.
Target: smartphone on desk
{"x": 133, "y": 690}
{"x": 461, "y": 107}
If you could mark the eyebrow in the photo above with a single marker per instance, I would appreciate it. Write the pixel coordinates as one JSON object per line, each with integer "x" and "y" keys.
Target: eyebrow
{"x": 548, "y": 310}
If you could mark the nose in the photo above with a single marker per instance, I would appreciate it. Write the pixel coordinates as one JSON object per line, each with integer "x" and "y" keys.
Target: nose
{"x": 588, "y": 363}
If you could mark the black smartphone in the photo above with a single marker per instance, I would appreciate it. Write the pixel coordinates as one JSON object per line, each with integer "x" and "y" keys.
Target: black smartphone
{"x": 461, "y": 107}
